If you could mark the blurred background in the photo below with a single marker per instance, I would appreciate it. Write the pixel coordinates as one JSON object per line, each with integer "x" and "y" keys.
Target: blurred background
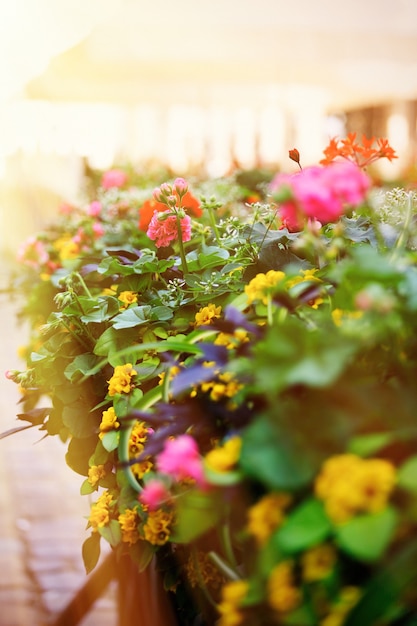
{"x": 198, "y": 86}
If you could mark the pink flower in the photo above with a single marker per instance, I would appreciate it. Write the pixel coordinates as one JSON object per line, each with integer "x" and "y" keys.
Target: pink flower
{"x": 33, "y": 253}
{"x": 154, "y": 494}
{"x": 320, "y": 193}
{"x": 180, "y": 459}
{"x": 94, "y": 209}
{"x": 163, "y": 228}
{"x": 98, "y": 229}
{"x": 113, "y": 178}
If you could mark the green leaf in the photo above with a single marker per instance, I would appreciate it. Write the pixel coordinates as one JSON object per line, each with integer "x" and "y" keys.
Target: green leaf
{"x": 367, "y": 445}
{"x": 161, "y": 313}
{"x": 366, "y": 537}
{"x": 78, "y": 418}
{"x": 132, "y": 317}
{"x": 110, "y": 440}
{"x": 91, "y": 552}
{"x": 407, "y": 475}
{"x": 142, "y": 553}
{"x": 111, "y": 533}
{"x": 79, "y": 452}
{"x": 305, "y": 527}
{"x": 81, "y": 366}
{"x": 273, "y": 459}
{"x": 87, "y": 488}
{"x": 197, "y": 512}
{"x": 386, "y": 588}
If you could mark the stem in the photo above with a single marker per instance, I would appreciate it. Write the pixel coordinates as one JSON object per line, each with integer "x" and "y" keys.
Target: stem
{"x": 227, "y": 544}
{"x": 401, "y": 241}
{"x": 214, "y": 225}
{"x": 269, "y": 309}
{"x": 223, "y": 566}
{"x": 83, "y": 285}
{"x": 181, "y": 245}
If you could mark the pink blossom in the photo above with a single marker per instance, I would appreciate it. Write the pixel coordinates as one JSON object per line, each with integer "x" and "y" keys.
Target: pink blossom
{"x": 113, "y": 178}
{"x": 98, "y": 229}
{"x": 154, "y": 494}
{"x": 65, "y": 208}
{"x": 163, "y": 228}
{"x": 94, "y": 209}
{"x": 33, "y": 253}
{"x": 180, "y": 186}
{"x": 320, "y": 193}
{"x": 180, "y": 459}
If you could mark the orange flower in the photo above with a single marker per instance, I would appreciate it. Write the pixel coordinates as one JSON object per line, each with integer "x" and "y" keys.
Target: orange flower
{"x": 363, "y": 154}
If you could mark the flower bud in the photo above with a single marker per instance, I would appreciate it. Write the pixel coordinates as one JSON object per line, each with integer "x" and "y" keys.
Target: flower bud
{"x": 171, "y": 201}
{"x": 180, "y": 186}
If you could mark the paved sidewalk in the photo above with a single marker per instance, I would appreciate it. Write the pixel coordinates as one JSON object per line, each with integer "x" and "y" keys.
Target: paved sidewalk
{"x": 42, "y": 515}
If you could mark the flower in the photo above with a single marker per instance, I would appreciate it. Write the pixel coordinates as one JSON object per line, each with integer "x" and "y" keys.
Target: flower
{"x": 163, "y": 228}
{"x": 157, "y": 527}
{"x": 108, "y": 422}
{"x": 113, "y": 178}
{"x": 283, "y": 596}
{"x": 128, "y": 521}
{"x": 189, "y": 203}
{"x": 321, "y": 193}
{"x": 233, "y": 594}
{"x": 262, "y": 285}
{"x": 121, "y": 381}
{"x": 224, "y": 458}
{"x": 154, "y": 494}
{"x": 318, "y": 562}
{"x": 180, "y": 459}
{"x": 207, "y": 314}
{"x": 127, "y": 298}
{"x": 267, "y": 515}
{"x": 100, "y": 511}
{"x": 95, "y": 474}
{"x": 94, "y": 208}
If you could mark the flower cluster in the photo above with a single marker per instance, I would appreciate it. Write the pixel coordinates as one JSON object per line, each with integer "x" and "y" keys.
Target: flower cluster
{"x": 235, "y": 385}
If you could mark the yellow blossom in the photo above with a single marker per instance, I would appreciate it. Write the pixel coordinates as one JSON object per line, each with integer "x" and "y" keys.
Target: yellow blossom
{"x": 230, "y": 341}
{"x": 262, "y": 285}
{"x": 349, "y": 596}
{"x": 95, "y": 474}
{"x": 128, "y": 521}
{"x": 66, "y": 248}
{"x": 318, "y": 562}
{"x": 99, "y": 513}
{"x": 224, "y": 458}
{"x": 157, "y": 528}
{"x": 267, "y": 515}
{"x": 339, "y": 316}
{"x": 127, "y": 298}
{"x": 233, "y": 593}
{"x": 349, "y": 485}
{"x": 108, "y": 422}
{"x": 137, "y": 440}
{"x": 207, "y": 314}
{"x": 120, "y": 382}
{"x": 283, "y": 596}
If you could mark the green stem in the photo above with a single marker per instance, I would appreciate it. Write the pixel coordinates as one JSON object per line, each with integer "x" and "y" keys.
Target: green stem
{"x": 227, "y": 544}
{"x": 181, "y": 245}
{"x": 83, "y": 284}
{"x": 223, "y": 566}
{"x": 214, "y": 225}
{"x": 269, "y": 309}
{"x": 401, "y": 241}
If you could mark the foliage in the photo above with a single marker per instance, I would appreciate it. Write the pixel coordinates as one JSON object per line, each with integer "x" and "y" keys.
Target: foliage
{"x": 240, "y": 397}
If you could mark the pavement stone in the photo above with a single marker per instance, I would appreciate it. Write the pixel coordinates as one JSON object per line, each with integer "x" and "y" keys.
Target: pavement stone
{"x": 42, "y": 514}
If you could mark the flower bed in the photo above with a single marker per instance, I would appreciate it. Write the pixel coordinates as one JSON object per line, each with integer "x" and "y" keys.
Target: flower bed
{"x": 233, "y": 366}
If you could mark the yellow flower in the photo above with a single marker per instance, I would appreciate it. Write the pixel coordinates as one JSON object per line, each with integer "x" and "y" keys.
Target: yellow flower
{"x": 66, "y": 248}
{"x": 339, "y": 316}
{"x": 120, "y": 382}
{"x": 108, "y": 422}
{"x": 127, "y": 297}
{"x": 129, "y": 524}
{"x": 230, "y": 341}
{"x": 224, "y": 457}
{"x": 95, "y": 474}
{"x": 207, "y": 314}
{"x": 262, "y": 285}
{"x": 318, "y": 562}
{"x": 348, "y": 485}
{"x": 267, "y": 515}
{"x": 137, "y": 439}
{"x": 283, "y": 596}
{"x": 349, "y": 596}
{"x": 233, "y": 593}
{"x": 100, "y": 514}
{"x": 157, "y": 528}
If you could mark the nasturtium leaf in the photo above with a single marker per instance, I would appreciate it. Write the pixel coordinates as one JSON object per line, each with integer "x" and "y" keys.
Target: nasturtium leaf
{"x": 366, "y": 537}
{"x": 91, "y": 552}
{"x": 407, "y": 475}
{"x": 132, "y": 317}
{"x": 196, "y": 513}
{"x": 270, "y": 456}
{"x": 111, "y": 533}
{"x": 304, "y": 527}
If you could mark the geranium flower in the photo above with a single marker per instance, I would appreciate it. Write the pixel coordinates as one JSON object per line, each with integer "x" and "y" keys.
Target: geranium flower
{"x": 189, "y": 203}
{"x": 154, "y": 494}
{"x": 113, "y": 178}
{"x": 180, "y": 459}
{"x": 163, "y": 228}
